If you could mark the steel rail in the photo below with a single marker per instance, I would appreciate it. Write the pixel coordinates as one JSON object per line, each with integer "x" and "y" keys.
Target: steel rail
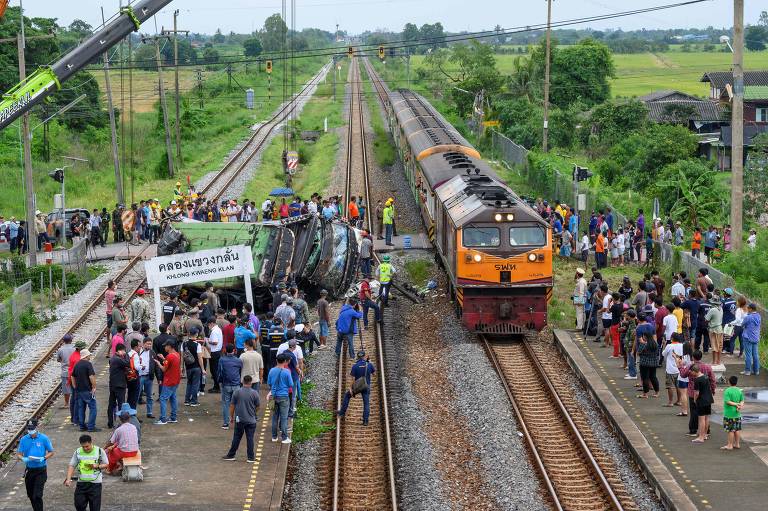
{"x": 44, "y": 359}
{"x": 270, "y": 125}
{"x": 592, "y": 463}
{"x": 386, "y": 422}
{"x": 53, "y": 395}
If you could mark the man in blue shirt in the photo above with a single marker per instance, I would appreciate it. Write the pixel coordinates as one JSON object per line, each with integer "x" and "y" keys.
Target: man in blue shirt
{"x": 361, "y": 369}
{"x": 346, "y": 325}
{"x": 294, "y": 209}
{"x": 34, "y": 449}
{"x": 280, "y": 381}
{"x": 242, "y": 334}
{"x": 751, "y": 339}
{"x": 230, "y": 368}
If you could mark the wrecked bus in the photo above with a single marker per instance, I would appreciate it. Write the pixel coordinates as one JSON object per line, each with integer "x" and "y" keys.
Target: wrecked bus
{"x": 306, "y": 249}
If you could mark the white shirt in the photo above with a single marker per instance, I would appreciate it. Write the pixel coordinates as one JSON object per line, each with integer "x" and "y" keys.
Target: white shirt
{"x": 752, "y": 240}
{"x": 660, "y": 232}
{"x": 216, "y": 339}
{"x": 585, "y": 242}
{"x": 678, "y": 289}
{"x": 266, "y": 205}
{"x": 740, "y": 313}
{"x": 607, "y": 299}
{"x": 669, "y": 349}
{"x": 144, "y": 361}
{"x": 312, "y": 207}
{"x": 284, "y": 347}
{"x": 670, "y": 326}
{"x": 94, "y": 221}
{"x": 619, "y": 241}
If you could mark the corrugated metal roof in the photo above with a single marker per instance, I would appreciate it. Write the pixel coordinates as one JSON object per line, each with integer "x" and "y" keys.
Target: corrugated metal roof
{"x": 720, "y": 78}
{"x": 664, "y": 111}
{"x": 756, "y": 92}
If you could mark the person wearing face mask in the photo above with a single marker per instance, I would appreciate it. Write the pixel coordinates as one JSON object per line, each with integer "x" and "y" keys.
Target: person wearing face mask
{"x": 34, "y": 450}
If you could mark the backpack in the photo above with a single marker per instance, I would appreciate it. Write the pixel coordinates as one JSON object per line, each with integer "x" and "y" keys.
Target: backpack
{"x": 131, "y": 374}
{"x": 361, "y": 384}
{"x": 189, "y": 358}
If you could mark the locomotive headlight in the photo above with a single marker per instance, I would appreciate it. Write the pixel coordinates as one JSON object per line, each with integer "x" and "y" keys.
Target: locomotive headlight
{"x": 497, "y": 217}
{"x": 531, "y": 257}
{"x": 510, "y": 217}
{"x": 478, "y": 258}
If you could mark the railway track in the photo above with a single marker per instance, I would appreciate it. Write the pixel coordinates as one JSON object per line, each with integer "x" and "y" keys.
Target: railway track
{"x": 35, "y": 390}
{"x": 220, "y": 182}
{"x": 363, "y": 477}
{"x": 576, "y": 474}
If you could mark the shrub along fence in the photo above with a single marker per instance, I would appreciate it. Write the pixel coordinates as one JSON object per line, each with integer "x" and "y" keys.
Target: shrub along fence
{"x": 11, "y": 312}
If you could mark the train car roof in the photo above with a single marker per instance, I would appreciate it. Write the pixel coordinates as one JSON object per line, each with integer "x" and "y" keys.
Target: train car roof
{"x": 475, "y": 196}
{"x": 426, "y": 130}
{"x": 439, "y": 168}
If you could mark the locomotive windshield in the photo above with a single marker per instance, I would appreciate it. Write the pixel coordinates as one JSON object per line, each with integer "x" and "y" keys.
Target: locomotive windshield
{"x": 527, "y": 236}
{"x": 481, "y": 237}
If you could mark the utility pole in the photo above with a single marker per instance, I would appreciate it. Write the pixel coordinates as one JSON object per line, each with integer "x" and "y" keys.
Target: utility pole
{"x": 546, "y": 78}
{"x": 112, "y": 128}
{"x": 737, "y": 126}
{"x": 168, "y": 147}
{"x": 175, "y": 33}
{"x": 200, "y": 87}
{"x": 29, "y": 187}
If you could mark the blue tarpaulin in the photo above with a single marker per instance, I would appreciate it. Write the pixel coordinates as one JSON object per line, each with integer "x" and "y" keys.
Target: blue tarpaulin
{"x": 281, "y": 192}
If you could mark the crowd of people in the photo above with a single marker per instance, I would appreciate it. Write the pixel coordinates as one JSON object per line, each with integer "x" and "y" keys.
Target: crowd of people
{"x": 227, "y": 352}
{"x": 617, "y": 244}
{"x": 141, "y": 222}
{"x": 651, "y": 326}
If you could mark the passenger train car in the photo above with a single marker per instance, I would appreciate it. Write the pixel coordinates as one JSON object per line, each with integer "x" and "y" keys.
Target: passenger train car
{"x": 496, "y": 249}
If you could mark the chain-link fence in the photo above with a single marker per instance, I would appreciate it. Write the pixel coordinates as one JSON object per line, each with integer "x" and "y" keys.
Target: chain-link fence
{"x": 12, "y": 310}
{"x": 511, "y": 153}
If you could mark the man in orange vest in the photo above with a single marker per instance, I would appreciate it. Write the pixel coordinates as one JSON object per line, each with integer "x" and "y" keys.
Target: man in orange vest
{"x": 696, "y": 243}
{"x": 600, "y": 250}
{"x": 354, "y": 212}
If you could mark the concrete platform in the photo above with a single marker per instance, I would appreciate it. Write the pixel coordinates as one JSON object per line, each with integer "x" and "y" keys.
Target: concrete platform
{"x": 418, "y": 241}
{"x": 685, "y": 475}
{"x": 183, "y": 465}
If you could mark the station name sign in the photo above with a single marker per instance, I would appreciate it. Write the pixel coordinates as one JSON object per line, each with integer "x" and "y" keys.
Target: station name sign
{"x": 188, "y": 267}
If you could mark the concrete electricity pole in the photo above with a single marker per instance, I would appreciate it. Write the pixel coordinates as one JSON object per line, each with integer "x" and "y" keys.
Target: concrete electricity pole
{"x": 737, "y": 126}
{"x": 113, "y": 129}
{"x": 163, "y": 105}
{"x": 546, "y": 78}
{"x": 175, "y": 33}
{"x": 29, "y": 186}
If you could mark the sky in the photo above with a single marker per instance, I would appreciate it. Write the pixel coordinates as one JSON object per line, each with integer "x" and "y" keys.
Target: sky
{"x": 356, "y": 16}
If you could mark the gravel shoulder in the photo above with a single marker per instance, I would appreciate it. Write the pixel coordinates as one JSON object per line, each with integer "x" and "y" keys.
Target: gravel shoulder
{"x": 27, "y": 350}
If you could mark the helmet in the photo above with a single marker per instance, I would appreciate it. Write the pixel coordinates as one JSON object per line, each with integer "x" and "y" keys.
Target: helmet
{"x": 385, "y": 258}
{"x": 178, "y": 183}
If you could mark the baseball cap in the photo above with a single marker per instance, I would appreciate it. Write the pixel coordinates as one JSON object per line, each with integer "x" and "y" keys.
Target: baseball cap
{"x": 292, "y": 343}
{"x": 360, "y": 354}
{"x": 85, "y": 353}
{"x": 31, "y": 424}
{"x": 140, "y": 292}
{"x": 67, "y": 337}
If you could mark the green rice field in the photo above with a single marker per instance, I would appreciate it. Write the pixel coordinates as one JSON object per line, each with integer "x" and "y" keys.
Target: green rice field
{"x": 640, "y": 73}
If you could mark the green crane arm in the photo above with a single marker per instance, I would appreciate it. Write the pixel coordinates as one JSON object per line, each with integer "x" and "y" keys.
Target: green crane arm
{"x": 47, "y": 80}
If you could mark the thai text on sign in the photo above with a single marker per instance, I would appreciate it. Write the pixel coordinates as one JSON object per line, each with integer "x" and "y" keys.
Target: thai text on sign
{"x": 219, "y": 263}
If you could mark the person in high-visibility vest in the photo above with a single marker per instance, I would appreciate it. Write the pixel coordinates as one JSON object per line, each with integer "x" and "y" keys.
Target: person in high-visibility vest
{"x": 89, "y": 460}
{"x": 384, "y": 273}
{"x": 178, "y": 195}
{"x": 388, "y": 219}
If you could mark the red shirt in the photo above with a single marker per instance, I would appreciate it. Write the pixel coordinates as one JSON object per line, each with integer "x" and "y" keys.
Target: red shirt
{"x": 228, "y": 333}
{"x": 365, "y": 290}
{"x": 109, "y": 297}
{"x": 74, "y": 358}
{"x": 171, "y": 370}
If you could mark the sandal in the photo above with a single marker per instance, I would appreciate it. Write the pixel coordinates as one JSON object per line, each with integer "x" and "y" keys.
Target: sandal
{"x": 682, "y": 414}
{"x": 697, "y": 441}
{"x": 726, "y": 448}
{"x": 668, "y": 405}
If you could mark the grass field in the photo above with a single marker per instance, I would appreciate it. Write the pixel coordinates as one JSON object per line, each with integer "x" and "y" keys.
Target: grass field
{"x": 222, "y": 123}
{"x": 317, "y": 158}
{"x": 641, "y": 73}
